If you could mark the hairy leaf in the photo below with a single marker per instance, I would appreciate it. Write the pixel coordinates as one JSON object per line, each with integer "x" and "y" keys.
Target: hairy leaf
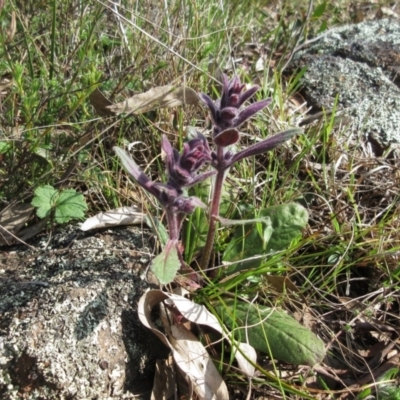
{"x": 166, "y": 264}
{"x": 265, "y": 145}
{"x": 273, "y": 332}
{"x": 287, "y": 222}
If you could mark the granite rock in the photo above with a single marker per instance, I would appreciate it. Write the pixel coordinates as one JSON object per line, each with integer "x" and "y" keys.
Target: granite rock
{"x": 360, "y": 66}
{"x": 68, "y": 317}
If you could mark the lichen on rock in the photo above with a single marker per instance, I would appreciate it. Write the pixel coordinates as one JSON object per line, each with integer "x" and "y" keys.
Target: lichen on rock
{"x": 69, "y": 326}
{"x": 359, "y": 66}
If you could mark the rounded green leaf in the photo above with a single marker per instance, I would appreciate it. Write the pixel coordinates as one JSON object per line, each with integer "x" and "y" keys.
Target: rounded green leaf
{"x": 272, "y": 332}
{"x": 70, "y": 204}
{"x": 167, "y": 263}
{"x": 65, "y": 205}
{"x": 287, "y": 222}
{"x": 45, "y": 200}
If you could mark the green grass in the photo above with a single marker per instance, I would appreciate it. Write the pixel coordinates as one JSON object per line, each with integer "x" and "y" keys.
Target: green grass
{"x": 51, "y": 135}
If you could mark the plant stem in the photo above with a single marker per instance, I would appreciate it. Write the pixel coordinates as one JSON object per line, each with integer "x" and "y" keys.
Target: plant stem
{"x": 172, "y": 221}
{"x": 214, "y": 211}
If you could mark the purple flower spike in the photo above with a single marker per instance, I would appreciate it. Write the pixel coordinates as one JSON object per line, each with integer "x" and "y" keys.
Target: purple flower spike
{"x": 248, "y": 94}
{"x": 182, "y": 168}
{"x": 182, "y": 172}
{"x": 251, "y": 110}
{"x": 211, "y": 106}
{"x": 225, "y": 112}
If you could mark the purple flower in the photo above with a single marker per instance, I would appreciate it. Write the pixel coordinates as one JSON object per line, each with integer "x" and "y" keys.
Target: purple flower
{"x": 225, "y": 112}
{"x": 182, "y": 168}
{"x": 182, "y": 172}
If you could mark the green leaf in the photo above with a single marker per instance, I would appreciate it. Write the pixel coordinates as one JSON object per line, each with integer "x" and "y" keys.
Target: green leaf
{"x": 388, "y": 393}
{"x": 158, "y": 228}
{"x": 44, "y": 153}
{"x": 233, "y": 222}
{"x": 323, "y": 27}
{"x": 166, "y": 264}
{"x": 287, "y": 222}
{"x": 272, "y": 332}
{"x": 5, "y": 147}
{"x": 319, "y": 10}
{"x": 45, "y": 200}
{"x": 386, "y": 390}
{"x": 70, "y": 205}
{"x": 66, "y": 205}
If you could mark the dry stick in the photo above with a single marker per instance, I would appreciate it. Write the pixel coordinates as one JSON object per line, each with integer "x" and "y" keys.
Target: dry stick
{"x": 17, "y": 239}
{"x": 2, "y": 228}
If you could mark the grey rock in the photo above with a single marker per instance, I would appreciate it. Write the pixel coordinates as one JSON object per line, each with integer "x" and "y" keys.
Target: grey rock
{"x": 68, "y": 318}
{"x": 359, "y": 64}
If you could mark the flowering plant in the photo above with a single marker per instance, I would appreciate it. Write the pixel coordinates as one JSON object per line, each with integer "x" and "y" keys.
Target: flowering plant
{"x": 272, "y": 332}
{"x": 185, "y": 169}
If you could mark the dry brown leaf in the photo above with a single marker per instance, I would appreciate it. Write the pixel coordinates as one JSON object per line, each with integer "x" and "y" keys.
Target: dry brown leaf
{"x": 193, "y": 359}
{"x": 164, "y": 380}
{"x": 281, "y": 283}
{"x": 13, "y": 27}
{"x": 146, "y": 303}
{"x": 189, "y": 354}
{"x": 200, "y": 315}
{"x": 117, "y": 217}
{"x": 5, "y": 84}
{"x": 158, "y": 97}
{"x": 12, "y": 220}
{"x": 100, "y": 103}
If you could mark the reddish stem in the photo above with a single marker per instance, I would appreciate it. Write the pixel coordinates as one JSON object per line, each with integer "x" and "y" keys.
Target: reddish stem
{"x": 173, "y": 225}
{"x": 214, "y": 210}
